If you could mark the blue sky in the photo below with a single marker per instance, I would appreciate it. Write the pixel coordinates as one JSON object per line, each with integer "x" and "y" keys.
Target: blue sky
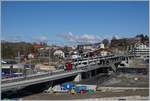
{"x": 67, "y": 22}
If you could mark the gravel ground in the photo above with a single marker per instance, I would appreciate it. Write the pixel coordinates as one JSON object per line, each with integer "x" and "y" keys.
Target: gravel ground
{"x": 128, "y": 80}
{"x": 138, "y": 63}
{"x": 98, "y": 94}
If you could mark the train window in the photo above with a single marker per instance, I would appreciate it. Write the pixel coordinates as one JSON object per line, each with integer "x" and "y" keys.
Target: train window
{"x": 122, "y": 64}
{"x": 11, "y": 62}
{"x": 84, "y": 63}
{"x": 75, "y": 60}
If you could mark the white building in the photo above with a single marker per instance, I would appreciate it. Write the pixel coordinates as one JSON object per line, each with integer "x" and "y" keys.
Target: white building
{"x": 141, "y": 50}
{"x": 75, "y": 55}
{"x": 59, "y": 53}
{"x": 103, "y": 52}
{"x": 30, "y": 56}
{"x": 102, "y": 45}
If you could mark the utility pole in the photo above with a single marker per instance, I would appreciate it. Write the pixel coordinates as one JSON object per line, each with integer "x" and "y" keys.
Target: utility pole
{"x": 19, "y": 57}
{"x": 49, "y": 56}
{"x": 49, "y": 62}
{"x": 78, "y": 58}
{"x": 88, "y": 58}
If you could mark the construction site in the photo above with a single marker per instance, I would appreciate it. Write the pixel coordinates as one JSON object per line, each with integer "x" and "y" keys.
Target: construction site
{"x": 125, "y": 84}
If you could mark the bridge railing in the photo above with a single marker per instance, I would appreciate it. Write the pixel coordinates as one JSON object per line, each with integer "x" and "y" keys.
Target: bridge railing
{"x": 29, "y": 77}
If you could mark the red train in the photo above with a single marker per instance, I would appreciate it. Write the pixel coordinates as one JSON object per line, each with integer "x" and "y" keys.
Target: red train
{"x": 68, "y": 66}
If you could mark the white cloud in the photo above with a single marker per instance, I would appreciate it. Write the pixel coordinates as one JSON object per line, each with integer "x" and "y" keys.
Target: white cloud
{"x": 42, "y": 38}
{"x": 116, "y": 36}
{"x": 12, "y": 38}
{"x": 85, "y": 38}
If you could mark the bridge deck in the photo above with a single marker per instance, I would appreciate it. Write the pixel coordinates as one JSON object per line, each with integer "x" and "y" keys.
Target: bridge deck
{"x": 34, "y": 79}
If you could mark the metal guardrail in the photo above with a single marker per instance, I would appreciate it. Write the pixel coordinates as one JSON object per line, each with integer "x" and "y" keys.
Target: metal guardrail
{"x": 30, "y": 77}
{"x": 34, "y": 76}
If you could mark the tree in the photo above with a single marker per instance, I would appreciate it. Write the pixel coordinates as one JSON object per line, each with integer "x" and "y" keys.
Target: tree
{"x": 106, "y": 42}
{"x": 146, "y": 38}
{"x": 114, "y": 38}
{"x": 66, "y": 51}
{"x": 143, "y": 38}
{"x": 140, "y": 36}
{"x": 10, "y": 50}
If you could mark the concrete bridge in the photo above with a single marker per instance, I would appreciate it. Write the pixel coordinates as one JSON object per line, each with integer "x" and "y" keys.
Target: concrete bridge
{"x": 92, "y": 68}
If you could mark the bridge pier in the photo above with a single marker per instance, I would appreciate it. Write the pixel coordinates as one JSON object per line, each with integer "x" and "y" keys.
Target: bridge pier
{"x": 127, "y": 59}
{"x": 103, "y": 62}
{"x": 93, "y": 73}
{"x": 89, "y": 74}
{"x": 78, "y": 78}
{"x": 113, "y": 67}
